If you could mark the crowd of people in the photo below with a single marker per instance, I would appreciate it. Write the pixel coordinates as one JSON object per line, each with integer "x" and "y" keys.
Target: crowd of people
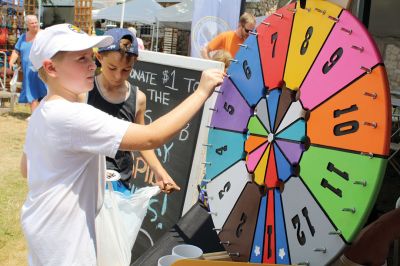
{"x": 83, "y": 124}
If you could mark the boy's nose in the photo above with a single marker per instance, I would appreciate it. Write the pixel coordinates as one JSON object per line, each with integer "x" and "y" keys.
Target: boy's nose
{"x": 117, "y": 76}
{"x": 92, "y": 66}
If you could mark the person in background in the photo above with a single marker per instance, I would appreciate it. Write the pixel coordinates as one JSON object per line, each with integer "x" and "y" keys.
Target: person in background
{"x": 97, "y": 28}
{"x": 113, "y": 94}
{"x": 230, "y": 40}
{"x": 222, "y": 56}
{"x": 139, "y": 41}
{"x": 33, "y": 89}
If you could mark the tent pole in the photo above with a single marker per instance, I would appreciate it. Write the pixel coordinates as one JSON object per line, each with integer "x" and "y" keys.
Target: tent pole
{"x": 39, "y": 11}
{"x": 122, "y": 14}
{"x": 158, "y": 25}
{"x": 152, "y": 37}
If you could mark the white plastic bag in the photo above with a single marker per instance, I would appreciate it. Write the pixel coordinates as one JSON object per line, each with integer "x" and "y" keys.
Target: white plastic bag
{"x": 14, "y": 79}
{"x": 118, "y": 224}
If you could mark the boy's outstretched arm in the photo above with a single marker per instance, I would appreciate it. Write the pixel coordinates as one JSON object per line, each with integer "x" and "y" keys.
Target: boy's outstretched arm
{"x": 147, "y": 137}
{"x": 163, "y": 179}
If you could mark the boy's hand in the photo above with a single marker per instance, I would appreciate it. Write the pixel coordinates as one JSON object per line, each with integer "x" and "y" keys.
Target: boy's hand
{"x": 165, "y": 182}
{"x": 210, "y": 79}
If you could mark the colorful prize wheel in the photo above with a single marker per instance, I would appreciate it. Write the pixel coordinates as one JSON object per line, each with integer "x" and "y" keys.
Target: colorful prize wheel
{"x": 299, "y": 138}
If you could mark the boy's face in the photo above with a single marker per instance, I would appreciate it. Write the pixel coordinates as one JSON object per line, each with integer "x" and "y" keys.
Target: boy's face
{"x": 116, "y": 67}
{"x": 75, "y": 71}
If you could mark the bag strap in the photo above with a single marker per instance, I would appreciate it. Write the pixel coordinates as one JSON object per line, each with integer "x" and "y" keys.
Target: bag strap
{"x": 110, "y": 186}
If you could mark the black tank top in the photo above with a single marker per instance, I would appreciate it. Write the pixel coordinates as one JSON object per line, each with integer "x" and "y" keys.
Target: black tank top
{"x": 126, "y": 110}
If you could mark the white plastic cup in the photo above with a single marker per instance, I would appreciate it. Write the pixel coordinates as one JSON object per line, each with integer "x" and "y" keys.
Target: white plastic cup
{"x": 167, "y": 260}
{"x": 188, "y": 251}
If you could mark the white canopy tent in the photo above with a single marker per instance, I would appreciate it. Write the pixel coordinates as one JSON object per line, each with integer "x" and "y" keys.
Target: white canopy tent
{"x": 180, "y": 15}
{"x": 98, "y": 4}
{"x": 143, "y": 11}
{"x": 150, "y": 12}
{"x": 177, "y": 16}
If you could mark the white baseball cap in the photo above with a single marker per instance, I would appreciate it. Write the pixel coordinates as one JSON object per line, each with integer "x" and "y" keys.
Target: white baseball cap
{"x": 63, "y": 37}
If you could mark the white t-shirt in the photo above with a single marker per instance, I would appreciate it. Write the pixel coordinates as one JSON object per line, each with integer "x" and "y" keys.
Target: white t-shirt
{"x": 66, "y": 144}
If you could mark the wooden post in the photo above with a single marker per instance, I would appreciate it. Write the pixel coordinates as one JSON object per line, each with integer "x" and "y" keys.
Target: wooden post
{"x": 30, "y": 7}
{"x": 83, "y": 15}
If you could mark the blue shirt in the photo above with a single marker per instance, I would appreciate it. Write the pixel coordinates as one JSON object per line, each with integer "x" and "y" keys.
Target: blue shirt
{"x": 33, "y": 87}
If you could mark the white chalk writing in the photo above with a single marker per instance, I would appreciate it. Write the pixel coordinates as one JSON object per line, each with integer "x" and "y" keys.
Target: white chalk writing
{"x": 170, "y": 77}
{"x": 144, "y": 76}
{"x": 159, "y": 96}
{"x": 191, "y": 85}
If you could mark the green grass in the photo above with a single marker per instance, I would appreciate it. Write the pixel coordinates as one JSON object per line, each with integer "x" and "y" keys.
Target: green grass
{"x": 13, "y": 188}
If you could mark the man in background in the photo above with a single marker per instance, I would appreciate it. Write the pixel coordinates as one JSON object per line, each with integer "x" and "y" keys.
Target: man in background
{"x": 230, "y": 40}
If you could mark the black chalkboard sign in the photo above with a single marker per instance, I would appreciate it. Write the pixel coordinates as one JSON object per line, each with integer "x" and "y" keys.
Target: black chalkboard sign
{"x": 165, "y": 87}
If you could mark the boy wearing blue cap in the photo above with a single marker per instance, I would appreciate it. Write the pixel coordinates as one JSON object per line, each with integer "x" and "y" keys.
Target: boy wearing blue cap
{"x": 67, "y": 141}
{"x": 113, "y": 94}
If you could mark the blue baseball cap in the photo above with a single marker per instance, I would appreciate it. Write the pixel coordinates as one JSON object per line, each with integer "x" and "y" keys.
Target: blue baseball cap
{"x": 118, "y": 34}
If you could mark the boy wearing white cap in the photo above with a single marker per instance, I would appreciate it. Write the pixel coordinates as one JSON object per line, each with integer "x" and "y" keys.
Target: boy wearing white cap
{"x": 66, "y": 144}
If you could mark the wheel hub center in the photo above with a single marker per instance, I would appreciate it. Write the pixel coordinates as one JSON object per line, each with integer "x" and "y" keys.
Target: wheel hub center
{"x": 271, "y": 137}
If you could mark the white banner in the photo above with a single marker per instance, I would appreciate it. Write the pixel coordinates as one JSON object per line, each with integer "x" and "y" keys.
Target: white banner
{"x": 211, "y": 17}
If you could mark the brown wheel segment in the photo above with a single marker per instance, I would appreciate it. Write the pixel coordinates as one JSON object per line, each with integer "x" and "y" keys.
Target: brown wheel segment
{"x": 238, "y": 231}
{"x": 287, "y": 97}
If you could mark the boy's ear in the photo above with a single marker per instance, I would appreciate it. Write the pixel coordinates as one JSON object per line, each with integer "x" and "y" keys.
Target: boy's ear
{"x": 49, "y": 67}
